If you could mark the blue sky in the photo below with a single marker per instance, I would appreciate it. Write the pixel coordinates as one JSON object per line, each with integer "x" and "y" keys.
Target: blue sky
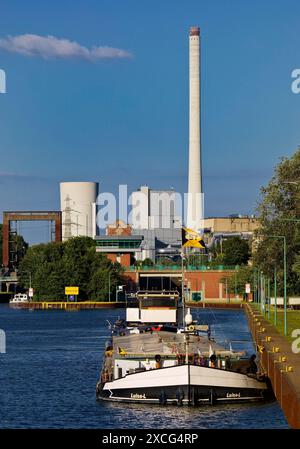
{"x": 125, "y": 120}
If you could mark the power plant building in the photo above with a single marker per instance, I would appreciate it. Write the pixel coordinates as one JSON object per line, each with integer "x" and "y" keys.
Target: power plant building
{"x": 154, "y": 215}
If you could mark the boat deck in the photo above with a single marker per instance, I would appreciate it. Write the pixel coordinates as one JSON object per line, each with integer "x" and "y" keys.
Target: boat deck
{"x": 164, "y": 343}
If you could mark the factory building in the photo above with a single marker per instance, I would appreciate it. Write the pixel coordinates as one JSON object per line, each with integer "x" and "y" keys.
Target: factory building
{"x": 78, "y": 207}
{"x": 220, "y": 228}
{"x": 156, "y": 217}
{"x": 243, "y": 224}
{"x": 119, "y": 244}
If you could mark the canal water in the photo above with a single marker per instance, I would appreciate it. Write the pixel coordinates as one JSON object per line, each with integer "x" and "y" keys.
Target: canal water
{"x": 51, "y": 365}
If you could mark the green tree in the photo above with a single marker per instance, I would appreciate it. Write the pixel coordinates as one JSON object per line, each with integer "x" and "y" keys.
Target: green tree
{"x": 54, "y": 265}
{"x": 280, "y": 200}
{"x": 236, "y": 281}
{"x": 147, "y": 262}
{"x": 235, "y": 251}
{"x": 165, "y": 261}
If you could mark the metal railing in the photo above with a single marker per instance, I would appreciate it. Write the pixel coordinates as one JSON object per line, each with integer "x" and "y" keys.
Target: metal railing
{"x": 179, "y": 268}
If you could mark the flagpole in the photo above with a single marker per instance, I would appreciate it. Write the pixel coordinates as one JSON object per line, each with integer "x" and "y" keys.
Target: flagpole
{"x": 182, "y": 288}
{"x": 189, "y": 239}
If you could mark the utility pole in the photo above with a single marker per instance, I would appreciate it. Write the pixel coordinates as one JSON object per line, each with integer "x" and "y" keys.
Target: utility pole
{"x": 109, "y": 286}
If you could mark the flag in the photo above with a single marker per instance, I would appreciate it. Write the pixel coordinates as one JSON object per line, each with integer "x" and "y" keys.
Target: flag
{"x": 191, "y": 239}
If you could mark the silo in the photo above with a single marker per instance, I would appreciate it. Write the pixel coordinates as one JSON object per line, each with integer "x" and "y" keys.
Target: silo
{"x": 78, "y": 207}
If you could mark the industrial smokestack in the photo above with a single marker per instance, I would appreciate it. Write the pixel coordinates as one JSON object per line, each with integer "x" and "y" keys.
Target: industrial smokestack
{"x": 194, "y": 208}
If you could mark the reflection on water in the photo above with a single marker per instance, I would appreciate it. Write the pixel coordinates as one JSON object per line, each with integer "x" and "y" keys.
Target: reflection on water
{"x": 234, "y": 416}
{"x": 51, "y": 367}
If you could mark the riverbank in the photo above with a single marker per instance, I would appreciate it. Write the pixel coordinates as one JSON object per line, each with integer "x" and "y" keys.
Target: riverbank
{"x": 279, "y": 362}
{"x": 63, "y": 305}
{"x": 293, "y": 320}
{"x": 215, "y": 304}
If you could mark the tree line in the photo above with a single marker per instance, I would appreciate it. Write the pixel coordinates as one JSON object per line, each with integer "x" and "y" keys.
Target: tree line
{"x": 50, "y": 267}
{"x": 278, "y": 214}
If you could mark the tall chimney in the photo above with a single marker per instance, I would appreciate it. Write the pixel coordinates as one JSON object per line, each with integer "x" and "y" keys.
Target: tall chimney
{"x": 194, "y": 208}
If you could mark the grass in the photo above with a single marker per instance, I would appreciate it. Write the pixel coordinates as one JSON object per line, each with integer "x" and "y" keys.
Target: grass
{"x": 293, "y": 320}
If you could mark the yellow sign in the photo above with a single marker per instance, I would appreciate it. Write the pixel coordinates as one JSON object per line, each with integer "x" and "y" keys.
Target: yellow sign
{"x": 71, "y": 290}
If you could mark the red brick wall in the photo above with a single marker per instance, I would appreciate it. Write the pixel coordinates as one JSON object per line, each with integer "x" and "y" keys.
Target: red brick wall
{"x": 194, "y": 280}
{"x": 212, "y": 281}
{"x": 123, "y": 259}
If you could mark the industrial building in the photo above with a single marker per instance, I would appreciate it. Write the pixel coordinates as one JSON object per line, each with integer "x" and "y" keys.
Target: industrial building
{"x": 158, "y": 219}
{"x": 78, "y": 207}
{"x": 243, "y": 224}
{"x": 219, "y": 228}
{"x": 119, "y": 244}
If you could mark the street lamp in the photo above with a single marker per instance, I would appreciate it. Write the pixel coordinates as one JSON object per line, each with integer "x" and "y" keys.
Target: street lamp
{"x": 275, "y": 296}
{"x": 109, "y": 273}
{"x": 284, "y": 278}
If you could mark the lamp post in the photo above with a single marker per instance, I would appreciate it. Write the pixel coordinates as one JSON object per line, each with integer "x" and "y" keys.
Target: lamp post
{"x": 284, "y": 279}
{"x": 235, "y": 286}
{"x": 269, "y": 298}
{"x": 275, "y": 297}
{"x": 109, "y": 286}
{"x": 262, "y": 293}
{"x": 256, "y": 285}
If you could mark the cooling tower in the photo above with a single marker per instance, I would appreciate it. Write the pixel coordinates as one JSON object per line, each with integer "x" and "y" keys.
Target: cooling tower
{"x": 78, "y": 207}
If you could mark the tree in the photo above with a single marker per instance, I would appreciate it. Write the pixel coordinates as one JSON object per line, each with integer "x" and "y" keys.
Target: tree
{"x": 55, "y": 265}
{"x": 280, "y": 200}
{"x": 235, "y": 251}
{"x": 236, "y": 281}
{"x": 165, "y": 261}
{"x": 147, "y": 262}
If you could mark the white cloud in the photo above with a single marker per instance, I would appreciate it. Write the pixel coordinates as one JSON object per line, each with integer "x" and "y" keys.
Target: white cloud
{"x": 51, "y": 47}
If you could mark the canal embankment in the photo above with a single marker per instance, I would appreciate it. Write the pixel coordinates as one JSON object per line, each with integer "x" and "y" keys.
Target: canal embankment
{"x": 215, "y": 304}
{"x": 279, "y": 362}
{"x": 70, "y": 306}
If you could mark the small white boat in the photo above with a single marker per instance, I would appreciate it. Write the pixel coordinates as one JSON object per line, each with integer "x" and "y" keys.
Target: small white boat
{"x": 19, "y": 298}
